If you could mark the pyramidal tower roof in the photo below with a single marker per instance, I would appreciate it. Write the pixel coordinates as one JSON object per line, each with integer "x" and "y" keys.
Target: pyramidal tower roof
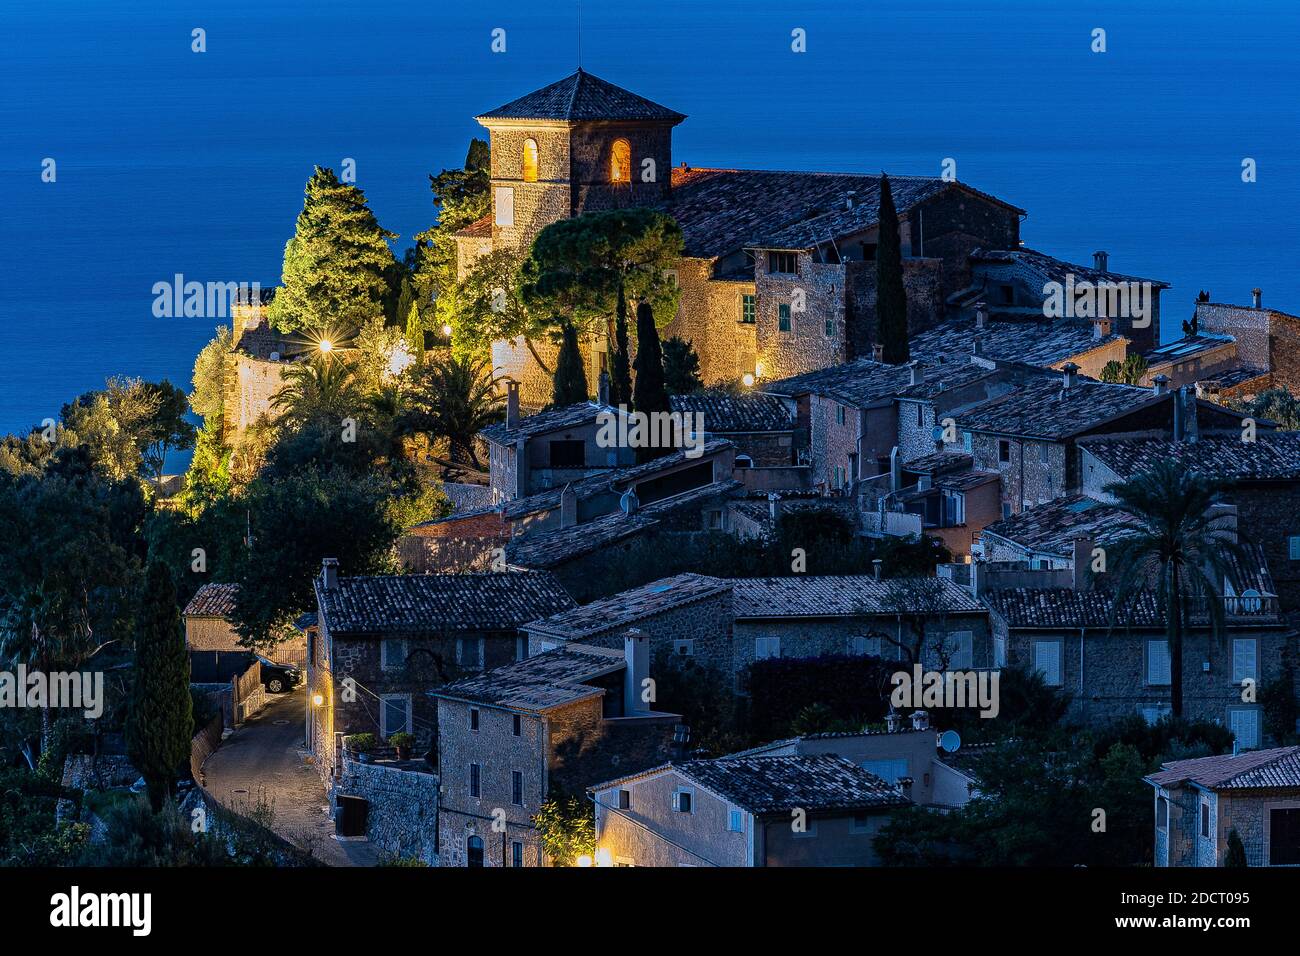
{"x": 583, "y": 97}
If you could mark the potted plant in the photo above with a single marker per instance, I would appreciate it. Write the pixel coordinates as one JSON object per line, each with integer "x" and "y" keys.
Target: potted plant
{"x": 360, "y": 745}
{"x": 403, "y": 742}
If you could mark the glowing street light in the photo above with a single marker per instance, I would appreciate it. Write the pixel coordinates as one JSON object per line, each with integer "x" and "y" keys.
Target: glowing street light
{"x": 318, "y": 699}
{"x": 748, "y": 379}
{"x": 604, "y": 857}
{"x": 446, "y": 329}
{"x": 584, "y": 860}
{"x": 325, "y": 345}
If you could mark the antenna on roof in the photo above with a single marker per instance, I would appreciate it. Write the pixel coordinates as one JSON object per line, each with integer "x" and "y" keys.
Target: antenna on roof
{"x": 579, "y": 2}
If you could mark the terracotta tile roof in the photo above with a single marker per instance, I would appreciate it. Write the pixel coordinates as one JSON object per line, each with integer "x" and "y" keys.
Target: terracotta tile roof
{"x": 833, "y": 596}
{"x": 1233, "y": 377}
{"x": 1052, "y": 527}
{"x": 725, "y": 413}
{"x": 553, "y": 419}
{"x": 212, "y": 600}
{"x": 582, "y": 97}
{"x": 860, "y": 383}
{"x": 1068, "y": 608}
{"x": 628, "y": 607}
{"x": 1040, "y": 342}
{"x": 550, "y": 679}
{"x": 939, "y": 462}
{"x": 1045, "y": 409}
{"x": 1272, "y": 456}
{"x": 410, "y": 603}
{"x": 550, "y": 549}
{"x": 780, "y": 784}
{"x": 1052, "y": 269}
{"x": 722, "y": 211}
{"x": 1252, "y": 770}
{"x": 480, "y": 228}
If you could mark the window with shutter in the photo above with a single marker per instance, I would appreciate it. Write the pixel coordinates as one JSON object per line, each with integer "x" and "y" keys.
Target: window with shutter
{"x": 1243, "y": 659}
{"x": 887, "y": 770}
{"x": 1244, "y": 724}
{"x": 1158, "y": 663}
{"x": 1047, "y": 661}
{"x": 503, "y": 201}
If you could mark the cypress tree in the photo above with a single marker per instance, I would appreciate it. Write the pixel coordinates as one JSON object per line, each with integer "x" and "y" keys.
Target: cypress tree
{"x": 620, "y": 381}
{"x": 570, "y": 386}
{"x": 160, "y": 722}
{"x": 650, "y": 394}
{"x": 891, "y": 296}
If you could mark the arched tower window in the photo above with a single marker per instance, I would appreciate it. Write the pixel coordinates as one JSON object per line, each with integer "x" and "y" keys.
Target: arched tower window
{"x": 620, "y": 162}
{"x": 530, "y": 160}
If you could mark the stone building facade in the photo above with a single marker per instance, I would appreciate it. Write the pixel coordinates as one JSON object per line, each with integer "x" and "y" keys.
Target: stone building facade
{"x": 402, "y": 805}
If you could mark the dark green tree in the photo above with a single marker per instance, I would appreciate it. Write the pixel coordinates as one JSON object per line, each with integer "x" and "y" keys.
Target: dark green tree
{"x": 460, "y": 196}
{"x": 160, "y": 721}
{"x": 570, "y": 383}
{"x": 681, "y": 366}
{"x": 456, "y": 398}
{"x": 337, "y": 267}
{"x": 620, "y": 379}
{"x": 649, "y": 394}
{"x": 891, "y": 295}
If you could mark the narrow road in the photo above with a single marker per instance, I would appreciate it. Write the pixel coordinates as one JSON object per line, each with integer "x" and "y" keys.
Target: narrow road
{"x": 264, "y": 761}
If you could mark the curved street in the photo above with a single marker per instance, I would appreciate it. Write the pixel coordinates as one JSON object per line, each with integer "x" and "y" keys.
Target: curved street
{"x": 265, "y": 761}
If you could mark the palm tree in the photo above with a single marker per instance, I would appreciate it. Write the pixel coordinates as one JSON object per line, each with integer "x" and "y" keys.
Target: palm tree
{"x": 320, "y": 388}
{"x": 458, "y": 398}
{"x": 1181, "y": 547}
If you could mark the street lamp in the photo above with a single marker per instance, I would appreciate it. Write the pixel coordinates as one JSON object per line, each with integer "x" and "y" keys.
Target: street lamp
{"x": 325, "y": 345}
{"x": 748, "y": 379}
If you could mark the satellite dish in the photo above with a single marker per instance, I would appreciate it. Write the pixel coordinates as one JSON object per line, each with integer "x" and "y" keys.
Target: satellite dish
{"x": 949, "y": 741}
{"x": 936, "y": 433}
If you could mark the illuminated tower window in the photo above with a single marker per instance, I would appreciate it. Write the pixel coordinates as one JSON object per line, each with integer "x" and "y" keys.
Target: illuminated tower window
{"x": 530, "y": 160}
{"x": 620, "y": 162}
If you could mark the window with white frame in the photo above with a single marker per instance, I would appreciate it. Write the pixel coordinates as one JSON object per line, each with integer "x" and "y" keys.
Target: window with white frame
{"x": 684, "y": 647}
{"x": 1244, "y": 724}
{"x": 765, "y": 647}
{"x": 394, "y": 714}
{"x": 684, "y": 801}
{"x": 866, "y": 646}
{"x": 392, "y": 653}
{"x": 503, "y": 202}
{"x": 888, "y": 770}
{"x": 1158, "y": 663}
{"x": 623, "y": 799}
{"x": 1047, "y": 661}
{"x": 961, "y": 650}
{"x": 1244, "y": 659}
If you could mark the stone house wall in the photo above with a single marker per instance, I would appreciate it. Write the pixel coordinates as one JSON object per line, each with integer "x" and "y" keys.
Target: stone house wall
{"x": 1268, "y": 514}
{"x": 916, "y": 421}
{"x": 828, "y": 840}
{"x": 1114, "y": 668}
{"x": 255, "y": 382}
{"x": 456, "y": 544}
{"x": 403, "y": 807}
{"x": 701, "y": 837}
{"x": 1036, "y": 472}
{"x": 924, "y": 283}
{"x": 1249, "y": 327}
{"x": 709, "y": 317}
{"x": 833, "y": 442}
{"x": 1249, "y": 813}
{"x": 816, "y": 335}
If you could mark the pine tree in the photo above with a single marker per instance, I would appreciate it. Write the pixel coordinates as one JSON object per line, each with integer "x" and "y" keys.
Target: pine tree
{"x": 337, "y": 265}
{"x": 570, "y": 377}
{"x": 891, "y": 296}
{"x": 650, "y": 394}
{"x": 1236, "y": 852}
{"x": 620, "y": 381}
{"x": 681, "y": 366}
{"x": 160, "y": 722}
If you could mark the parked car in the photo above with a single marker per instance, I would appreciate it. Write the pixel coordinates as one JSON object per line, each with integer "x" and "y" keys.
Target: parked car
{"x": 278, "y": 678}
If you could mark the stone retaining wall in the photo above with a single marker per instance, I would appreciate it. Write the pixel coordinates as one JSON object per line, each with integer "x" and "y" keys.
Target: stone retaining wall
{"x": 403, "y": 816}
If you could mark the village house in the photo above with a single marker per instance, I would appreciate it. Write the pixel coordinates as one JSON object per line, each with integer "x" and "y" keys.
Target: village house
{"x": 690, "y": 483}
{"x": 1267, "y": 344}
{"x": 778, "y": 275}
{"x": 1263, "y": 477}
{"x": 726, "y": 624}
{"x": 1199, "y": 802}
{"x": 216, "y": 654}
{"x": 1114, "y": 661}
{"x": 741, "y": 811}
{"x": 557, "y": 722}
{"x": 770, "y": 451}
{"x": 1052, "y": 536}
{"x": 907, "y": 757}
{"x": 383, "y": 641}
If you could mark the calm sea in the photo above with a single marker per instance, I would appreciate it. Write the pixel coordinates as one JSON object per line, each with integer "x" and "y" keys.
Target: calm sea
{"x": 170, "y": 161}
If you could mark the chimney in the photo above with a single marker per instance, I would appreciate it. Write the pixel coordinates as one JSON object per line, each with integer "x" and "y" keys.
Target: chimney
{"x": 1101, "y": 260}
{"x": 976, "y": 346}
{"x": 1070, "y": 374}
{"x": 1082, "y": 563}
{"x": 977, "y": 577}
{"x": 636, "y": 660}
{"x": 893, "y": 721}
{"x": 848, "y": 198}
{"x": 602, "y": 388}
{"x": 1185, "y": 424}
{"x": 568, "y": 507}
{"x": 521, "y": 467}
{"x": 629, "y": 502}
{"x": 875, "y": 568}
{"x": 877, "y": 352}
{"x": 920, "y": 720}
{"x": 773, "y": 506}
{"x": 329, "y": 574}
{"x": 512, "y": 404}
{"x": 1257, "y": 296}
{"x": 915, "y": 373}
{"x": 1161, "y": 386}
{"x": 981, "y": 314}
